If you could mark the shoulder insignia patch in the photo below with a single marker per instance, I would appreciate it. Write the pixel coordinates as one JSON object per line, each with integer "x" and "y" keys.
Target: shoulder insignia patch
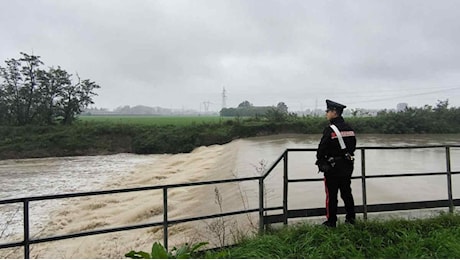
{"x": 344, "y": 134}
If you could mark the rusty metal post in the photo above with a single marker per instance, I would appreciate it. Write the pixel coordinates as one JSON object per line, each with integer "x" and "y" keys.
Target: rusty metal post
{"x": 261, "y": 205}
{"x": 26, "y": 230}
{"x": 285, "y": 189}
{"x": 363, "y": 182}
{"x": 165, "y": 217}
{"x": 449, "y": 180}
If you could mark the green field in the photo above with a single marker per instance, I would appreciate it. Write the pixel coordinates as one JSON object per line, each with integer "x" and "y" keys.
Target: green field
{"x": 155, "y": 120}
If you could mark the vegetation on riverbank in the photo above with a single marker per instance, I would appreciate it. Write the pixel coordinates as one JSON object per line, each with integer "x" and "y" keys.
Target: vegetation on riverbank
{"x": 90, "y": 136}
{"x": 437, "y": 237}
{"x": 33, "y": 95}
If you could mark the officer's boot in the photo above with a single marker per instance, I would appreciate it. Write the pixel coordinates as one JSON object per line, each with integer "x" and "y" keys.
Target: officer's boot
{"x": 329, "y": 224}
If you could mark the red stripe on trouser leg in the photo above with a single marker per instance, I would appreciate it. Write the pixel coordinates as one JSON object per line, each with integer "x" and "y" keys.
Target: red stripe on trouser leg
{"x": 327, "y": 198}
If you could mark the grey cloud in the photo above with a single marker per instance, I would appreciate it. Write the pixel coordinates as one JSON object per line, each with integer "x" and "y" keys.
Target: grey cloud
{"x": 180, "y": 53}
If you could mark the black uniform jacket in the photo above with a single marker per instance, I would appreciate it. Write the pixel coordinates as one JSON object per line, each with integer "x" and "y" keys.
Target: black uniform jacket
{"x": 329, "y": 145}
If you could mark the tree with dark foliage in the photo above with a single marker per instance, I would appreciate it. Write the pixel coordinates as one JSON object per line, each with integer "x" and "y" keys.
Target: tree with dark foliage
{"x": 32, "y": 95}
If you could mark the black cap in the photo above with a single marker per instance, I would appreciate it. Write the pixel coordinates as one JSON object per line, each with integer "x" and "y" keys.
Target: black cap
{"x": 331, "y": 105}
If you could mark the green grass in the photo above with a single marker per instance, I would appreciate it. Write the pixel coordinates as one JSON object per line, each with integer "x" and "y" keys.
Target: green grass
{"x": 154, "y": 120}
{"x": 437, "y": 237}
{"x": 133, "y": 134}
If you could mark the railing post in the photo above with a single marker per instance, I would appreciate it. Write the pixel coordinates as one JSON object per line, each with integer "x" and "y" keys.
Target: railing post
{"x": 26, "y": 230}
{"x": 363, "y": 182}
{"x": 261, "y": 205}
{"x": 449, "y": 180}
{"x": 165, "y": 217}
{"x": 285, "y": 188}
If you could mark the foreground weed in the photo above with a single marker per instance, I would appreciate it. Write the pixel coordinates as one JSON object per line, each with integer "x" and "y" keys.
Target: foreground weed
{"x": 159, "y": 252}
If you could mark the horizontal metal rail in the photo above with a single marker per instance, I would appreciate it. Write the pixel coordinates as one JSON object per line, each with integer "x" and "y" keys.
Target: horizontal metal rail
{"x": 385, "y": 207}
{"x": 25, "y": 201}
{"x": 263, "y": 220}
{"x": 115, "y": 191}
{"x": 132, "y": 227}
{"x": 368, "y": 208}
{"x": 380, "y": 147}
{"x": 379, "y": 176}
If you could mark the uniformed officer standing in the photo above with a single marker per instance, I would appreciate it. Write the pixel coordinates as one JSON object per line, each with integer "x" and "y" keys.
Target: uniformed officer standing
{"x": 335, "y": 159}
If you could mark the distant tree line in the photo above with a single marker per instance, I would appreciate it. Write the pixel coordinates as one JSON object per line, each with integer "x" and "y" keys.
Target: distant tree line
{"x": 428, "y": 119}
{"x": 247, "y": 109}
{"x": 30, "y": 94}
{"x": 440, "y": 118}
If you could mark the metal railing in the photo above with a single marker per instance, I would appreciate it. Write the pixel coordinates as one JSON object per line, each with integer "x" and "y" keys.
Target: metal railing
{"x": 262, "y": 210}
{"x": 450, "y": 202}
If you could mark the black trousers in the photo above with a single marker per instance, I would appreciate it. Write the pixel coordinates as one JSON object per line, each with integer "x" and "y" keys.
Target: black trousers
{"x": 339, "y": 179}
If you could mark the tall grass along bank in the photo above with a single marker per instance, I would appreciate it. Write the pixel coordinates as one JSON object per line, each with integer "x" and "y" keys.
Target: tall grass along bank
{"x": 100, "y": 137}
{"x": 146, "y": 135}
{"x": 437, "y": 237}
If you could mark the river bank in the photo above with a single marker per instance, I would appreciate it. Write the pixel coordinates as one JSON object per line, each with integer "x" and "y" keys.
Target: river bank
{"x": 99, "y": 138}
{"x": 112, "y": 137}
{"x": 92, "y": 137}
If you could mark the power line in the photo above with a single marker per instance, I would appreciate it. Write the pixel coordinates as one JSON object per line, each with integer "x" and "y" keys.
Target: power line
{"x": 405, "y": 96}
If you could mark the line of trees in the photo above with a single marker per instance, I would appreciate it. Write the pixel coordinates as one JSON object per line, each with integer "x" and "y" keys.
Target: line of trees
{"x": 30, "y": 94}
{"x": 438, "y": 119}
{"x": 247, "y": 109}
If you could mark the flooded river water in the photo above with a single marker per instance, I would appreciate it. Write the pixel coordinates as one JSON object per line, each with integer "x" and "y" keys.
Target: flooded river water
{"x": 241, "y": 158}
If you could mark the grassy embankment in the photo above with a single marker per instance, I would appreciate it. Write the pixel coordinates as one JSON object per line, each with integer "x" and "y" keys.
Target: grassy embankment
{"x": 143, "y": 135}
{"x": 437, "y": 237}
{"x": 153, "y": 134}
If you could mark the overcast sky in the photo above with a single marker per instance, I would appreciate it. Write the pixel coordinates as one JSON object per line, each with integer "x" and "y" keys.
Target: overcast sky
{"x": 179, "y": 54}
